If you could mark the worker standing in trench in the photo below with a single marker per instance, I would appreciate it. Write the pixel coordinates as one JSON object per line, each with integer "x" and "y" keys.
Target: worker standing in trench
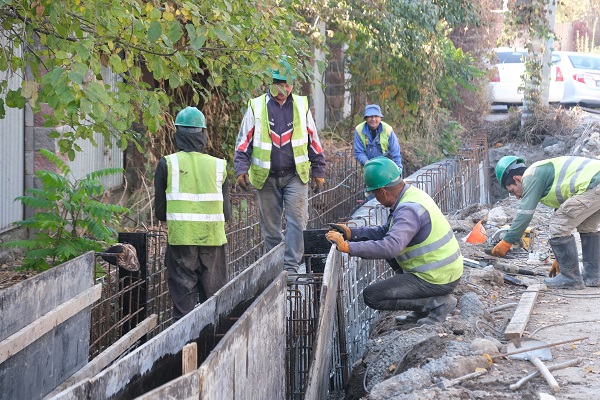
{"x": 418, "y": 242}
{"x": 192, "y": 195}
{"x": 570, "y": 185}
{"x": 278, "y": 151}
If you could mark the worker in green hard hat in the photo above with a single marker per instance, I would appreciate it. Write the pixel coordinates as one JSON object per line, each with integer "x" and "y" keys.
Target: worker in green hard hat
{"x": 192, "y": 196}
{"x": 279, "y": 153}
{"x": 570, "y": 185}
{"x": 417, "y": 241}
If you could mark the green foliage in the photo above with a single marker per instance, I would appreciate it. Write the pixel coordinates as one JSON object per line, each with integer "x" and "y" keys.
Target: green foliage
{"x": 69, "y": 218}
{"x": 167, "y": 55}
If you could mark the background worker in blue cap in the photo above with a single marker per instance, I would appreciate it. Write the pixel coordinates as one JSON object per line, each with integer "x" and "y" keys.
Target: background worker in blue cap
{"x": 374, "y": 138}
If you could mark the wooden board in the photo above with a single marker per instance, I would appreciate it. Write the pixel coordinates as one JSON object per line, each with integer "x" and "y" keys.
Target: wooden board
{"x": 519, "y": 321}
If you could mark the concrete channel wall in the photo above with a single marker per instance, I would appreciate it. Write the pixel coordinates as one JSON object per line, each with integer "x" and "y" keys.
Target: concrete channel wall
{"x": 45, "y": 329}
{"x": 249, "y": 346}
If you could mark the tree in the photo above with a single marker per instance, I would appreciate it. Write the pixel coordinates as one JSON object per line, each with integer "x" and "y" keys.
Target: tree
{"x": 163, "y": 52}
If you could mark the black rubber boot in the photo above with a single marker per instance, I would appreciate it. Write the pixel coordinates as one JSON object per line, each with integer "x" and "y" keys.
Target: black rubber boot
{"x": 565, "y": 252}
{"x": 439, "y": 307}
{"x": 590, "y": 251}
{"x": 416, "y": 306}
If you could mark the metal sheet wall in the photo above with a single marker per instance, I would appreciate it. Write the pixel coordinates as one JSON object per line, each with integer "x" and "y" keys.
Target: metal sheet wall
{"x": 106, "y": 155}
{"x": 12, "y": 159}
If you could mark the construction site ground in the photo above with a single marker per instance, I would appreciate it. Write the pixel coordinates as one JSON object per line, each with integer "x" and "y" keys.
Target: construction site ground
{"x": 404, "y": 361}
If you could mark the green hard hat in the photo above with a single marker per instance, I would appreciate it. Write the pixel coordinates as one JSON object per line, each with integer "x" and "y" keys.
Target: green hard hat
{"x": 380, "y": 172}
{"x": 504, "y": 163}
{"x": 285, "y": 70}
{"x": 192, "y": 117}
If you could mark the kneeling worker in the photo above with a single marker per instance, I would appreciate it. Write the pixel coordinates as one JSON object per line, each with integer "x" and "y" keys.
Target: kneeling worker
{"x": 417, "y": 239}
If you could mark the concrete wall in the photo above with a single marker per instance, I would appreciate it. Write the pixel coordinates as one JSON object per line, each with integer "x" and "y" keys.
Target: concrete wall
{"x": 48, "y": 361}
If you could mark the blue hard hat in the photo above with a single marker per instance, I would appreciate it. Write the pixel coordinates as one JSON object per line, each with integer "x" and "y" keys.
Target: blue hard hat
{"x": 372, "y": 109}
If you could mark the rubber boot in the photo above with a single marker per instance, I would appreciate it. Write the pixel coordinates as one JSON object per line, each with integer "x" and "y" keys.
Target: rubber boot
{"x": 565, "y": 252}
{"x": 590, "y": 252}
{"x": 439, "y": 307}
{"x": 416, "y": 306}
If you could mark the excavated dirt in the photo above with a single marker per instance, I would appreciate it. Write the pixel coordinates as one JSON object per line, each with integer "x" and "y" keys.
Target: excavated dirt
{"x": 403, "y": 361}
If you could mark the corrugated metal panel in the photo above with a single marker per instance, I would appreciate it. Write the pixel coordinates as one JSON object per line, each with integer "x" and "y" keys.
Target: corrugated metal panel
{"x": 95, "y": 158}
{"x": 12, "y": 156}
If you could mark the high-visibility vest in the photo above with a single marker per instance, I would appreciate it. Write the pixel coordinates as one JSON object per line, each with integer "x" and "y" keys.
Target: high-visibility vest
{"x": 195, "y": 199}
{"x": 572, "y": 175}
{"x": 384, "y": 136}
{"x": 437, "y": 259}
{"x": 262, "y": 143}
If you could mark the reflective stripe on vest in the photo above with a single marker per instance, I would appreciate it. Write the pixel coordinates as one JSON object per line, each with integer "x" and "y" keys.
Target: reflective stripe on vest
{"x": 572, "y": 175}
{"x": 195, "y": 199}
{"x": 437, "y": 259}
{"x": 384, "y": 136}
{"x": 262, "y": 144}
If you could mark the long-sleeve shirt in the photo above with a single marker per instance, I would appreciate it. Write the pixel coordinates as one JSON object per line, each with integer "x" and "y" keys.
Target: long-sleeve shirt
{"x": 373, "y": 149}
{"x": 281, "y": 121}
{"x": 412, "y": 225}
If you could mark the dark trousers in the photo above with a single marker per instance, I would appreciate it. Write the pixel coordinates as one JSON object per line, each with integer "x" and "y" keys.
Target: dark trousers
{"x": 195, "y": 273}
{"x": 383, "y": 295}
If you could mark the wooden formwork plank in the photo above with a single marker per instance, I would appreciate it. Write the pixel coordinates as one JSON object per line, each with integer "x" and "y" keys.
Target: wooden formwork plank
{"x": 32, "y": 332}
{"x": 318, "y": 378}
{"x": 249, "y": 362}
{"x": 138, "y": 369}
{"x": 109, "y": 355}
{"x": 519, "y": 321}
{"x": 189, "y": 358}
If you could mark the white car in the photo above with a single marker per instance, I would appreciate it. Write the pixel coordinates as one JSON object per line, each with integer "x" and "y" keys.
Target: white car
{"x": 506, "y": 83}
{"x": 582, "y": 78}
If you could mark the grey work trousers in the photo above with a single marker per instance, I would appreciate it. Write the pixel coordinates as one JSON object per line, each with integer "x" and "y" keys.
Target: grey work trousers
{"x": 289, "y": 194}
{"x": 195, "y": 273}
{"x": 383, "y": 295}
{"x": 581, "y": 211}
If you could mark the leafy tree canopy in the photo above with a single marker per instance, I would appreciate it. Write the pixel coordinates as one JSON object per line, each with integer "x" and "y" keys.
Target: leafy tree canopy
{"x": 158, "y": 50}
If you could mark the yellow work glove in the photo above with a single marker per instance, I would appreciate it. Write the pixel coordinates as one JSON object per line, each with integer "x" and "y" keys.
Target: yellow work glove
{"x": 554, "y": 269}
{"x": 317, "y": 184}
{"x": 343, "y": 229}
{"x": 501, "y": 249}
{"x": 337, "y": 239}
{"x": 243, "y": 181}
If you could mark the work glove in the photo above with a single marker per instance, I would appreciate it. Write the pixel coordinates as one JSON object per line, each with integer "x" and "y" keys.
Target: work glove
{"x": 554, "y": 269}
{"x": 243, "y": 181}
{"x": 316, "y": 184}
{"x": 501, "y": 249}
{"x": 343, "y": 229}
{"x": 337, "y": 239}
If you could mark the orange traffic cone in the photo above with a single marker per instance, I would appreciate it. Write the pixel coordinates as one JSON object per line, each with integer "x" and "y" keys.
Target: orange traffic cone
{"x": 477, "y": 235}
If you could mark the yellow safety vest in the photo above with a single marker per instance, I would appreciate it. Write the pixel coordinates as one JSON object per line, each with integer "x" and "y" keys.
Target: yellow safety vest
{"x": 262, "y": 143}
{"x": 195, "y": 199}
{"x": 384, "y": 136}
{"x": 437, "y": 259}
{"x": 572, "y": 175}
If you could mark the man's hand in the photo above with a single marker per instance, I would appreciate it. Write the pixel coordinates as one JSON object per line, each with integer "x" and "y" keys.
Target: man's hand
{"x": 501, "y": 249}
{"x": 243, "y": 181}
{"x": 343, "y": 229}
{"x": 317, "y": 184}
{"x": 337, "y": 239}
{"x": 554, "y": 269}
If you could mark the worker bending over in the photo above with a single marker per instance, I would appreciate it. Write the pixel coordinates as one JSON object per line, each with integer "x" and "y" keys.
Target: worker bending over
{"x": 571, "y": 186}
{"x": 417, "y": 241}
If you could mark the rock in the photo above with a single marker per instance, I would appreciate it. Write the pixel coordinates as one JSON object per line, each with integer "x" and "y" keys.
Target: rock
{"x": 483, "y": 346}
{"x": 555, "y": 150}
{"x": 488, "y": 276}
{"x": 499, "y": 216}
{"x": 472, "y": 308}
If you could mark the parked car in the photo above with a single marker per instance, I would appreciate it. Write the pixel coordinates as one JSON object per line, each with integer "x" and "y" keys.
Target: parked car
{"x": 581, "y": 72}
{"x": 506, "y": 83}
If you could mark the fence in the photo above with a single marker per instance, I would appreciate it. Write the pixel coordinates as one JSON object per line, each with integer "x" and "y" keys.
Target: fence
{"x": 453, "y": 184}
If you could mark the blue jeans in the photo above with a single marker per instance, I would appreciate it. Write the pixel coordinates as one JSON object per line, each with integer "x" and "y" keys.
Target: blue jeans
{"x": 287, "y": 194}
